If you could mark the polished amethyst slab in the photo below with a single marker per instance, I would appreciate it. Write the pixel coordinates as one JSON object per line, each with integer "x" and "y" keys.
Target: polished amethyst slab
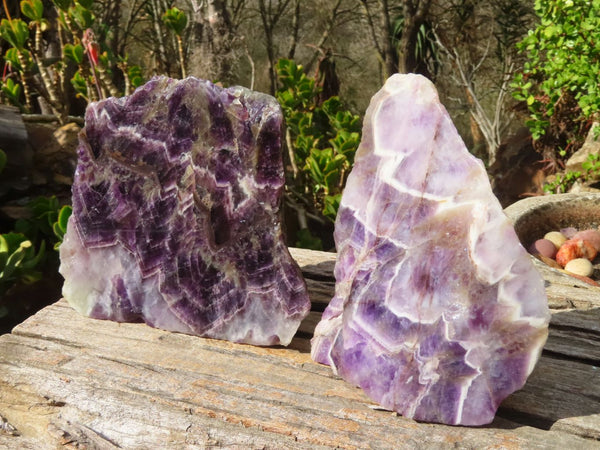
{"x": 176, "y": 205}
{"x": 438, "y": 311}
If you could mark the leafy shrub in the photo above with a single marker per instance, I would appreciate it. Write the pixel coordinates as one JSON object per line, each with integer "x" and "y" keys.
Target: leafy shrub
{"x": 47, "y": 222}
{"x": 560, "y": 82}
{"x": 176, "y": 20}
{"x": 562, "y": 182}
{"x": 23, "y": 256}
{"x": 323, "y": 138}
{"x": 82, "y": 57}
{"x": 19, "y": 260}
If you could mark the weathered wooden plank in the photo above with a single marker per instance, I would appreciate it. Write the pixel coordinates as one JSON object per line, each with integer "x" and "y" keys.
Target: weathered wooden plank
{"x": 134, "y": 386}
{"x": 70, "y": 380}
{"x": 560, "y": 395}
{"x": 315, "y": 265}
{"x": 575, "y": 334}
{"x": 567, "y": 296}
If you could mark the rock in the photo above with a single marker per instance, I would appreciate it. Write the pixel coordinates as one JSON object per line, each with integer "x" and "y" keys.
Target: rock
{"x": 55, "y": 152}
{"x": 544, "y": 247}
{"x": 587, "y": 187}
{"x": 175, "y": 218}
{"x": 568, "y": 232}
{"x": 438, "y": 313}
{"x": 575, "y": 248}
{"x": 556, "y": 237}
{"x": 580, "y": 266}
{"x": 590, "y": 235}
{"x": 518, "y": 170}
{"x": 591, "y": 146}
{"x": 13, "y": 141}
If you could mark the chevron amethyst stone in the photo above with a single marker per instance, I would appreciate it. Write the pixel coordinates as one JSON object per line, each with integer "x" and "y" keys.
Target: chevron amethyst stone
{"x": 176, "y": 205}
{"x": 438, "y": 311}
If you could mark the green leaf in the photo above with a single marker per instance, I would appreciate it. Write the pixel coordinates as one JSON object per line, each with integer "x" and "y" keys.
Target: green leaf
{"x": 12, "y": 57}
{"x": 175, "y": 20}
{"x": 79, "y": 84}
{"x": 82, "y": 16}
{"x": 12, "y": 90}
{"x": 32, "y": 260}
{"x": 63, "y": 5}
{"x": 33, "y": 9}
{"x": 332, "y": 205}
{"x": 315, "y": 170}
{"x": 13, "y": 240}
{"x": 63, "y": 217}
{"x": 331, "y": 181}
{"x": 4, "y": 248}
{"x": 86, "y": 3}
{"x": 74, "y": 53}
{"x": 15, "y": 32}
{"x": 13, "y": 262}
{"x": 305, "y": 239}
{"x": 60, "y": 226}
{"x": 136, "y": 77}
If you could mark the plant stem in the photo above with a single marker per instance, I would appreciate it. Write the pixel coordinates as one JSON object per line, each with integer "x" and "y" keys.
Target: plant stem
{"x": 50, "y": 95}
{"x": 181, "y": 56}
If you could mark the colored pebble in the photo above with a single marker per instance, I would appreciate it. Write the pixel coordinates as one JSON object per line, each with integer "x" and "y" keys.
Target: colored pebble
{"x": 580, "y": 266}
{"x": 544, "y": 247}
{"x": 575, "y": 248}
{"x": 568, "y": 232}
{"x": 592, "y": 236}
{"x": 556, "y": 237}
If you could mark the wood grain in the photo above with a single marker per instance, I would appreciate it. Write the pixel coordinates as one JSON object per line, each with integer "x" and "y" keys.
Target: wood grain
{"x": 71, "y": 381}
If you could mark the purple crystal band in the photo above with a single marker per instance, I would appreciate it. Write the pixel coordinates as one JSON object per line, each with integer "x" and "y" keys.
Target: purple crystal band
{"x": 438, "y": 311}
{"x": 176, "y": 215}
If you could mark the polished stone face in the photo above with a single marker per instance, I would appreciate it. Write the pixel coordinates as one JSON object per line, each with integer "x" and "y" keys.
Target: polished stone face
{"x": 176, "y": 215}
{"x": 438, "y": 311}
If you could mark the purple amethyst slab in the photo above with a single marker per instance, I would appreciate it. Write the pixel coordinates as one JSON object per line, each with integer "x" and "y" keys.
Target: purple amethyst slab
{"x": 438, "y": 313}
{"x": 176, "y": 215}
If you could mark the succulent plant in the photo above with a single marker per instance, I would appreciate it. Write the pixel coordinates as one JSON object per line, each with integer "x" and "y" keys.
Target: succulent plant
{"x": 18, "y": 260}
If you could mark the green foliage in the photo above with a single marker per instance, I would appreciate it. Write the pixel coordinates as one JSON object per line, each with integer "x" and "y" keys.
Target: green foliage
{"x": 592, "y": 165}
{"x": 564, "y": 181}
{"x": 60, "y": 226}
{"x": 12, "y": 58}
{"x": 80, "y": 85}
{"x": 563, "y": 58}
{"x": 136, "y": 78}
{"x": 15, "y": 32}
{"x": 81, "y": 15}
{"x": 305, "y": 239}
{"x": 426, "y": 52}
{"x": 91, "y": 60}
{"x": 175, "y": 20}
{"x": 324, "y": 138}
{"x": 86, "y": 3}
{"x": 63, "y": 5}
{"x": 74, "y": 53}
{"x": 12, "y": 91}
{"x": 18, "y": 260}
{"x": 44, "y": 213}
{"x": 33, "y": 9}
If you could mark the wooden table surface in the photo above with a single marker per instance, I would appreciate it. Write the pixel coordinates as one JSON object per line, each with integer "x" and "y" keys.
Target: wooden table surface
{"x": 70, "y": 381}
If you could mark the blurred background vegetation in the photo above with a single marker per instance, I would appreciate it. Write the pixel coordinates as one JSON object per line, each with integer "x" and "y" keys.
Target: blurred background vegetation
{"x": 519, "y": 78}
